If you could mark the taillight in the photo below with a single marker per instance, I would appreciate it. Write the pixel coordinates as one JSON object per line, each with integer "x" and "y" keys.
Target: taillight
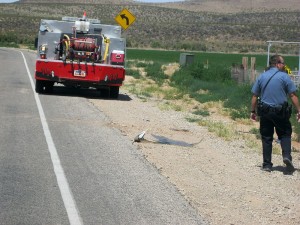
{"x": 43, "y": 51}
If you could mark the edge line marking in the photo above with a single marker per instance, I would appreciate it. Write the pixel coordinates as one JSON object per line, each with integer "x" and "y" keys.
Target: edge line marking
{"x": 66, "y": 193}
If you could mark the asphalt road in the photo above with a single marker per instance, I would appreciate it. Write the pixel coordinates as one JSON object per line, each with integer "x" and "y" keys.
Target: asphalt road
{"x": 62, "y": 163}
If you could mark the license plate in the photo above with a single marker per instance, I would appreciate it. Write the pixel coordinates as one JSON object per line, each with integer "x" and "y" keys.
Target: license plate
{"x": 79, "y": 73}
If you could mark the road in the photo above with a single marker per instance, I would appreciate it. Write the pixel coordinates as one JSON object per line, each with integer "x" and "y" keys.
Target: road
{"x": 62, "y": 163}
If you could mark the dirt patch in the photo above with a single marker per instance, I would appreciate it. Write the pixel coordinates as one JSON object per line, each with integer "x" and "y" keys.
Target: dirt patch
{"x": 221, "y": 179}
{"x": 170, "y": 68}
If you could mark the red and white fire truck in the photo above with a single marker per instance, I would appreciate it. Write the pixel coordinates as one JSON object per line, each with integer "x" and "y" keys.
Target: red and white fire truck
{"x": 80, "y": 52}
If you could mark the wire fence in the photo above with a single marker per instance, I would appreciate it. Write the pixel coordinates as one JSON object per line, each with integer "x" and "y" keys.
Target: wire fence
{"x": 295, "y": 76}
{"x": 244, "y": 73}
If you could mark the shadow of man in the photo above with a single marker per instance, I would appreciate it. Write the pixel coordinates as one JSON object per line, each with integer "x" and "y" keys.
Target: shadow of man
{"x": 284, "y": 170}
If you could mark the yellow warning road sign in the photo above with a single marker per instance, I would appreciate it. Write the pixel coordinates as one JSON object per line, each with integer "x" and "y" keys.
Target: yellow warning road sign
{"x": 125, "y": 18}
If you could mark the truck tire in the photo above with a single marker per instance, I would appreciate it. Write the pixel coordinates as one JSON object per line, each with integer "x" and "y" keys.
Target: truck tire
{"x": 114, "y": 91}
{"x": 39, "y": 86}
{"x": 42, "y": 86}
{"x": 104, "y": 92}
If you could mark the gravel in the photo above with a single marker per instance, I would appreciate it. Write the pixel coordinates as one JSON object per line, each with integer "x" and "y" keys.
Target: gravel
{"x": 221, "y": 179}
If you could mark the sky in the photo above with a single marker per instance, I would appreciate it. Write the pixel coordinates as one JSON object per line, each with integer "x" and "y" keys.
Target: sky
{"x": 7, "y": 1}
{"x": 159, "y": 1}
{"x": 153, "y": 1}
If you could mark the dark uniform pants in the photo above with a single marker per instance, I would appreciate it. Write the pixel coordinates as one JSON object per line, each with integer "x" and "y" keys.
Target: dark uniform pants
{"x": 283, "y": 129}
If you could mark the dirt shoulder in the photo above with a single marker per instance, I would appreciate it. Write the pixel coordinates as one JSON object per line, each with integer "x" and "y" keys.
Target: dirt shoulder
{"x": 221, "y": 179}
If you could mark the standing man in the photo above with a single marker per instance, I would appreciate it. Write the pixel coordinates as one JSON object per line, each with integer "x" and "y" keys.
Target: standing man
{"x": 273, "y": 86}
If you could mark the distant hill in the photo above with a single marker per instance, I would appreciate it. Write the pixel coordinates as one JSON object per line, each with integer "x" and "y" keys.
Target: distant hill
{"x": 233, "y": 6}
{"x": 220, "y": 6}
{"x": 207, "y": 25}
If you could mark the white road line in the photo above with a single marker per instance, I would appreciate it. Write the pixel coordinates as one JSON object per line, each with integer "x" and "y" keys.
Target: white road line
{"x": 66, "y": 193}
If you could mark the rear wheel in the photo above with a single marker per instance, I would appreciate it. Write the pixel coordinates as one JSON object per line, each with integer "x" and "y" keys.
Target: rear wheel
{"x": 43, "y": 86}
{"x": 104, "y": 92}
{"x": 39, "y": 86}
{"x": 114, "y": 91}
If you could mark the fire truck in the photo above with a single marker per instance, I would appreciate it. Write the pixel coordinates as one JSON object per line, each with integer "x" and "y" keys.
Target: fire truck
{"x": 80, "y": 53}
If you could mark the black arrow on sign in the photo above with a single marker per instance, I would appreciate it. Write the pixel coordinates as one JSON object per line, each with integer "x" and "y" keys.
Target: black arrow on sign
{"x": 123, "y": 16}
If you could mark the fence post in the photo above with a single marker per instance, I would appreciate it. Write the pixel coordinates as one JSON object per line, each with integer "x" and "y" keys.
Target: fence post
{"x": 245, "y": 66}
{"x": 253, "y": 66}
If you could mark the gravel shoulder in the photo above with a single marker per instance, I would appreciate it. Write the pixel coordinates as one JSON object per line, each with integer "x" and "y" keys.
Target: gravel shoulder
{"x": 221, "y": 179}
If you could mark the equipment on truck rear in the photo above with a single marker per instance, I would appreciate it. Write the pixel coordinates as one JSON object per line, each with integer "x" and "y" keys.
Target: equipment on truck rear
{"x": 80, "y": 52}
